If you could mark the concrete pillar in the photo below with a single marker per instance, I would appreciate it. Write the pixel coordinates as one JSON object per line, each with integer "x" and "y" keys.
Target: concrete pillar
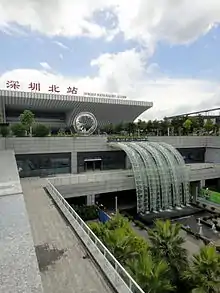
{"x": 195, "y": 189}
{"x": 202, "y": 183}
{"x": 127, "y": 163}
{"x": 74, "y": 163}
{"x": 91, "y": 200}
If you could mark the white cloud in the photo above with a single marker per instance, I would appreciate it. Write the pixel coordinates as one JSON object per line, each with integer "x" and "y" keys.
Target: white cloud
{"x": 61, "y": 56}
{"x": 175, "y": 21}
{"x": 53, "y": 17}
{"x": 45, "y": 66}
{"x": 125, "y": 73}
{"x": 61, "y": 45}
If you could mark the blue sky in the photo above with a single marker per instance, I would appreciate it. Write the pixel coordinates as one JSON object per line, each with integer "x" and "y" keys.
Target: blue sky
{"x": 161, "y": 53}
{"x": 198, "y": 59}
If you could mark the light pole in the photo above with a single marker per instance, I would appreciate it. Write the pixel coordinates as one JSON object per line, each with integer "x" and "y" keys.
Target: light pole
{"x": 116, "y": 205}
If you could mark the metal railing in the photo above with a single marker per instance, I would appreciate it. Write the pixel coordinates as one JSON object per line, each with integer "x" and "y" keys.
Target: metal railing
{"x": 114, "y": 270}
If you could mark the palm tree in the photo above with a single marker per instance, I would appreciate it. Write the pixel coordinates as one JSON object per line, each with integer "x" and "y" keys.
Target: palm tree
{"x": 166, "y": 244}
{"x": 124, "y": 246}
{"x": 152, "y": 276}
{"x": 204, "y": 272}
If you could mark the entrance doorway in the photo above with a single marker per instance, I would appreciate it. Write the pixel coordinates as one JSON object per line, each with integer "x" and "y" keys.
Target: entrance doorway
{"x": 93, "y": 164}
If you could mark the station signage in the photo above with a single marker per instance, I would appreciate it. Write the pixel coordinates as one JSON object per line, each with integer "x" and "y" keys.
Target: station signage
{"x": 37, "y": 87}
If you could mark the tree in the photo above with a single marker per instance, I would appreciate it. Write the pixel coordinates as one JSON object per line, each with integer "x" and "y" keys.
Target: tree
{"x": 107, "y": 128}
{"x": 149, "y": 126}
{"x": 216, "y": 128}
{"x": 121, "y": 245}
{"x": 27, "y": 119}
{"x": 155, "y": 126}
{"x": 118, "y": 221}
{"x": 118, "y": 128}
{"x": 187, "y": 125}
{"x": 41, "y": 130}
{"x": 197, "y": 123}
{"x": 18, "y": 129}
{"x": 120, "y": 238}
{"x": 132, "y": 128}
{"x": 165, "y": 126}
{"x": 141, "y": 126}
{"x": 200, "y": 121}
{"x": 209, "y": 125}
{"x": 177, "y": 124}
{"x": 152, "y": 276}
{"x": 167, "y": 244}
{"x": 4, "y": 130}
{"x": 204, "y": 272}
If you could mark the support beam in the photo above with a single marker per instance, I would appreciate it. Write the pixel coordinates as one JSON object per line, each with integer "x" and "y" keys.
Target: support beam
{"x": 91, "y": 200}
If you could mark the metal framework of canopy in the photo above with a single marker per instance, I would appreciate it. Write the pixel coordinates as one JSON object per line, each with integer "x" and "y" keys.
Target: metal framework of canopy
{"x": 161, "y": 177}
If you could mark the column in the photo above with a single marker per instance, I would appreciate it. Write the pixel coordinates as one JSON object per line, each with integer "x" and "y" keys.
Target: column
{"x": 91, "y": 200}
{"x": 195, "y": 189}
{"x": 202, "y": 183}
{"x": 74, "y": 163}
{"x": 127, "y": 163}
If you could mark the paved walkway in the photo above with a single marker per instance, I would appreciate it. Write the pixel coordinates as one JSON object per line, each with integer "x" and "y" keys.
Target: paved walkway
{"x": 62, "y": 260}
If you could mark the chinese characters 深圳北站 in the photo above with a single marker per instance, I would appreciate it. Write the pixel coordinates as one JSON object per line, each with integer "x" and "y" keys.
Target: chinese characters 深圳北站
{"x": 36, "y": 86}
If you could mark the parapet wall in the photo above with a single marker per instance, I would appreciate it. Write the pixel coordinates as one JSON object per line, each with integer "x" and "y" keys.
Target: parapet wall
{"x": 24, "y": 145}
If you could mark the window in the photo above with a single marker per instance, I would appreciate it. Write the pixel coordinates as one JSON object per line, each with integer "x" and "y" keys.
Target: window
{"x": 40, "y": 165}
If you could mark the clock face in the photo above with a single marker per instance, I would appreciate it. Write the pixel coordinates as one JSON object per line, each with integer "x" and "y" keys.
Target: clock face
{"x": 85, "y": 123}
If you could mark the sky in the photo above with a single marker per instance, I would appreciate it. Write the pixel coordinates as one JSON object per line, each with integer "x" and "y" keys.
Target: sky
{"x": 161, "y": 51}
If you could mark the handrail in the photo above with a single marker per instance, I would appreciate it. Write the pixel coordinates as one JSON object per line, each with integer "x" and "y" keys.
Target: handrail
{"x": 116, "y": 266}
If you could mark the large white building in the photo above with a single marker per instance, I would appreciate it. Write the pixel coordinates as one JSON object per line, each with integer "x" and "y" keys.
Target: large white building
{"x": 58, "y": 111}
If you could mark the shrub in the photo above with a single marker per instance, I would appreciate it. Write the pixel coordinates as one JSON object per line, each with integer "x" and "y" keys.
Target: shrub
{"x": 130, "y": 218}
{"x": 18, "y": 129}
{"x": 139, "y": 224}
{"x": 41, "y": 130}
{"x": 4, "y": 131}
{"x": 86, "y": 212}
{"x": 136, "y": 222}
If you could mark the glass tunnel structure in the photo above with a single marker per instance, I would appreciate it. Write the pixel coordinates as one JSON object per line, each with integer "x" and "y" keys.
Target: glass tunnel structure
{"x": 161, "y": 176}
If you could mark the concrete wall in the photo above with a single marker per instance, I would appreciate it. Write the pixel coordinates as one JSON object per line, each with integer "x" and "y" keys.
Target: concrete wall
{"x": 94, "y": 183}
{"x": 181, "y": 141}
{"x": 33, "y": 145}
{"x": 105, "y": 182}
{"x": 2, "y": 143}
{"x": 23, "y": 145}
{"x": 19, "y": 270}
{"x": 212, "y": 155}
{"x": 204, "y": 171}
